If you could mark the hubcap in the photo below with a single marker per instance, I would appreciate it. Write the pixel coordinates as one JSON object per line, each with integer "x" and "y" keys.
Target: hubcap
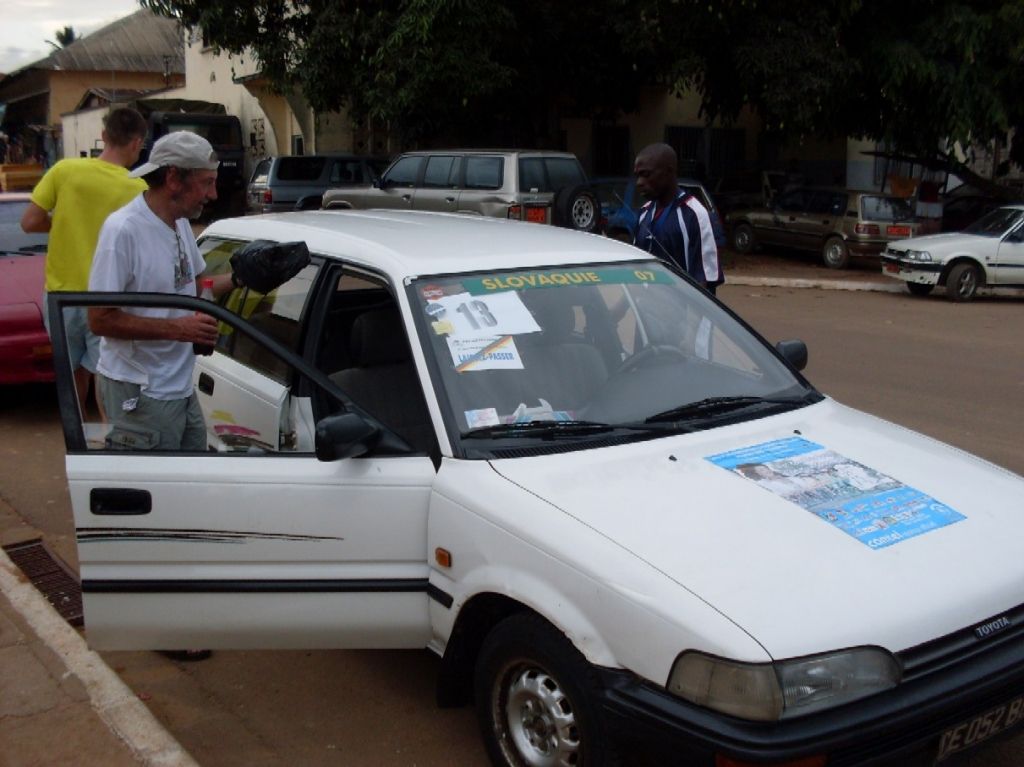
{"x": 742, "y": 238}
{"x": 965, "y": 286}
{"x": 834, "y": 253}
{"x": 582, "y": 212}
{"x": 541, "y": 721}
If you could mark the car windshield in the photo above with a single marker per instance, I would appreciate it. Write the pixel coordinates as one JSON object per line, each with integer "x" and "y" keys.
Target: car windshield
{"x": 996, "y": 223}
{"x": 876, "y": 208}
{"x": 592, "y": 348}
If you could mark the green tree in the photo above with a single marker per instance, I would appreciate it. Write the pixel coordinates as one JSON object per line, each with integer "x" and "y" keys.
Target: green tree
{"x": 64, "y": 36}
{"x": 433, "y": 70}
{"x": 916, "y": 74}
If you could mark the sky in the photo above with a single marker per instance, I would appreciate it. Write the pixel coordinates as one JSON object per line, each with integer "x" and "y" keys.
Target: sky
{"x": 26, "y": 25}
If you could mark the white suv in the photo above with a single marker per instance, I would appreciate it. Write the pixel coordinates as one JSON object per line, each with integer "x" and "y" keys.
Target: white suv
{"x": 536, "y": 186}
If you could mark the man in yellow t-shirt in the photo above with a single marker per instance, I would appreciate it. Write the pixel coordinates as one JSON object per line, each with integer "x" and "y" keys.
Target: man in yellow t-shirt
{"x": 71, "y": 202}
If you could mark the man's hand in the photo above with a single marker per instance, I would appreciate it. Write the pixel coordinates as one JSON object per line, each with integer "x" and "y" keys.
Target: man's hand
{"x": 197, "y": 329}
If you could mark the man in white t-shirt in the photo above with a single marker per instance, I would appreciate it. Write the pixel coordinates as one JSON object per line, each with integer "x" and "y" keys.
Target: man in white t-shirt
{"x": 146, "y": 355}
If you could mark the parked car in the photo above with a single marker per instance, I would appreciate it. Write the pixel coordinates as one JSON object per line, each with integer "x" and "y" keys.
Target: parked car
{"x": 838, "y": 223}
{"x": 989, "y": 252}
{"x": 535, "y": 186}
{"x": 298, "y": 182}
{"x": 616, "y": 513}
{"x": 620, "y": 206}
{"x": 25, "y": 352}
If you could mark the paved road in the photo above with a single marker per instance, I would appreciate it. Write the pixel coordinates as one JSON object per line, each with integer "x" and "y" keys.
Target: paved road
{"x": 955, "y": 372}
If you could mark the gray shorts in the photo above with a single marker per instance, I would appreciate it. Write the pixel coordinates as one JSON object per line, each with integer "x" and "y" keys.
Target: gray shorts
{"x": 83, "y": 344}
{"x": 142, "y": 423}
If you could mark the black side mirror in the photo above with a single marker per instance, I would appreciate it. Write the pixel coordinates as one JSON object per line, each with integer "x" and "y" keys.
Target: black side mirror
{"x": 794, "y": 352}
{"x": 345, "y": 435}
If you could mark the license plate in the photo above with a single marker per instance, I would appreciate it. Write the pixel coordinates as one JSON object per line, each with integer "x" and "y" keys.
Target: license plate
{"x": 982, "y": 727}
{"x": 898, "y": 231}
{"x": 537, "y": 215}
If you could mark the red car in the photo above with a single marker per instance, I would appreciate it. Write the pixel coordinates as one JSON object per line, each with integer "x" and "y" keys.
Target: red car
{"x": 25, "y": 352}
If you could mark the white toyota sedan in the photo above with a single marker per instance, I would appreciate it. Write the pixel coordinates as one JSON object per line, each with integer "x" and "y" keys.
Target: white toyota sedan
{"x": 988, "y": 253}
{"x": 624, "y": 521}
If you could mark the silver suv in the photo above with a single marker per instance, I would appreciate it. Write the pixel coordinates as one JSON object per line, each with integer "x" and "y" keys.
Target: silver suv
{"x": 538, "y": 186}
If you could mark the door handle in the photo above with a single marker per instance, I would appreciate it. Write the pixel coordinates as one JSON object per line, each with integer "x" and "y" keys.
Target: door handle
{"x": 792, "y": 218}
{"x": 407, "y": 197}
{"x": 120, "y": 501}
{"x": 206, "y": 383}
{"x": 449, "y": 199}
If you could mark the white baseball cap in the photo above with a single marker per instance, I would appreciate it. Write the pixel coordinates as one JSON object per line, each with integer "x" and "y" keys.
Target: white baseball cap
{"x": 181, "y": 149}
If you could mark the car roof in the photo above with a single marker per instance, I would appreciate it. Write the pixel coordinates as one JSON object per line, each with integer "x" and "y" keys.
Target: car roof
{"x": 406, "y": 244}
{"x": 528, "y": 152}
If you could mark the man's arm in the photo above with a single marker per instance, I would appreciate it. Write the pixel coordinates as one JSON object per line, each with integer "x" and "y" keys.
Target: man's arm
{"x": 35, "y": 219}
{"x": 192, "y": 328}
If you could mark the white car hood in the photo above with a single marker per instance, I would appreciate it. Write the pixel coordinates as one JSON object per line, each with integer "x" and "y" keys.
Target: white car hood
{"x": 797, "y": 583}
{"x": 940, "y": 244}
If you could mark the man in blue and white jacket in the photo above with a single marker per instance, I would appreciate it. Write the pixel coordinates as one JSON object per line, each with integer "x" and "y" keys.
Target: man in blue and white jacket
{"x": 673, "y": 225}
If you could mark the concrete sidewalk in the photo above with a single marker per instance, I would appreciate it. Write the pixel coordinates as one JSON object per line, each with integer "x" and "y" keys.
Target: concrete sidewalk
{"x": 59, "y": 702}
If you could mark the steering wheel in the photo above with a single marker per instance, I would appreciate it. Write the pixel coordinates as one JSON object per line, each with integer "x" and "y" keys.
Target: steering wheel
{"x": 649, "y": 354}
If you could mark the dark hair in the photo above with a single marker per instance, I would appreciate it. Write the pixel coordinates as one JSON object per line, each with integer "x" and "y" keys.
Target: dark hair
{"x": 157, "y": 178}
{"x": 124, "y": 124}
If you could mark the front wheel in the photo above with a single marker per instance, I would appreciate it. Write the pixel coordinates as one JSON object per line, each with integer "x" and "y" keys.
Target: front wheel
{"x": 536, "y": 699}
{"x": 919, "y": 288}
{"x": 962, "y": 282}
{"x": 835, "y": 254}
{"x": 743, "y": 238}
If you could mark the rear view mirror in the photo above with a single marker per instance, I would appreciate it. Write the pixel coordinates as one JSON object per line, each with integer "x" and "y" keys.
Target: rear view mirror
{"x": 345, "y": 435}
{"x": 794, "y": 352}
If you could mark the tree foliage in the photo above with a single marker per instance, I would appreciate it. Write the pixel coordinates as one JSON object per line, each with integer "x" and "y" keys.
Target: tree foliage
{"x": 914, "y": 73}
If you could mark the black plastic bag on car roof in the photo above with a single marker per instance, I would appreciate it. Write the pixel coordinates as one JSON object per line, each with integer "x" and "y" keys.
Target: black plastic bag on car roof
{"x": 262, "y": 265}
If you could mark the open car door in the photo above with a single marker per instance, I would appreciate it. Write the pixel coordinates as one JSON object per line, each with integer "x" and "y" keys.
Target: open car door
{"x": 255, "y": 543}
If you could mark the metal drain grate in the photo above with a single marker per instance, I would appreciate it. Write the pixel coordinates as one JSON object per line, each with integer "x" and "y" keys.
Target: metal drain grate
{"x": 51, "y": 576}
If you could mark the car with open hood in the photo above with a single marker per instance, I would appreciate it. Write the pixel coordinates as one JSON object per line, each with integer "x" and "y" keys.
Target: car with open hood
{"x": 624, "y": 522}
{"x": 840, "y": 224}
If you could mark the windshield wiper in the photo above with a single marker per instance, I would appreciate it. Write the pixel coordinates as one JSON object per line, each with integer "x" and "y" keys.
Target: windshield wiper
{"x": 554, "y": 429}
{"x": 712, "y": 406}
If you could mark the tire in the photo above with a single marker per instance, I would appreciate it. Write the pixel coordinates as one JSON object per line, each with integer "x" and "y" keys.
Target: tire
{"x": 962, "y": 282}
{"x": 835, "y": 254}
{"x": 314, "y": 202}
{"x": 536, "y": 699}
{"x": 919, "y": 288}
{"x": 743, "y": 238}
{"x": 577, "y": 207}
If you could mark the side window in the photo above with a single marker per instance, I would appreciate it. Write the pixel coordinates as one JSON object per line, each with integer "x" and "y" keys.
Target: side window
{"x": 440, "y": 172}
{"x": 564, "y": 171}
{"x": 531, "y": 174}
{"x": 364, "y": 349}
{"x": 794, "y": 200}
{"x": 404, "y": 172}
{"x": 484, "y": 172}
{"x": 345, "y": 172}
{"x": 277, "y": 313}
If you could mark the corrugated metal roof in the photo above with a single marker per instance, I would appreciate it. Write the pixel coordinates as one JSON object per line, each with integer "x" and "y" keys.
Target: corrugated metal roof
{"x": 140, "y": 42}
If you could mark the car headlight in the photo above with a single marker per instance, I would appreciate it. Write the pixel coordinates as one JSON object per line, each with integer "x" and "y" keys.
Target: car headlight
{"x": 918, "y": 255}
{"x": 772, "y": 691}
